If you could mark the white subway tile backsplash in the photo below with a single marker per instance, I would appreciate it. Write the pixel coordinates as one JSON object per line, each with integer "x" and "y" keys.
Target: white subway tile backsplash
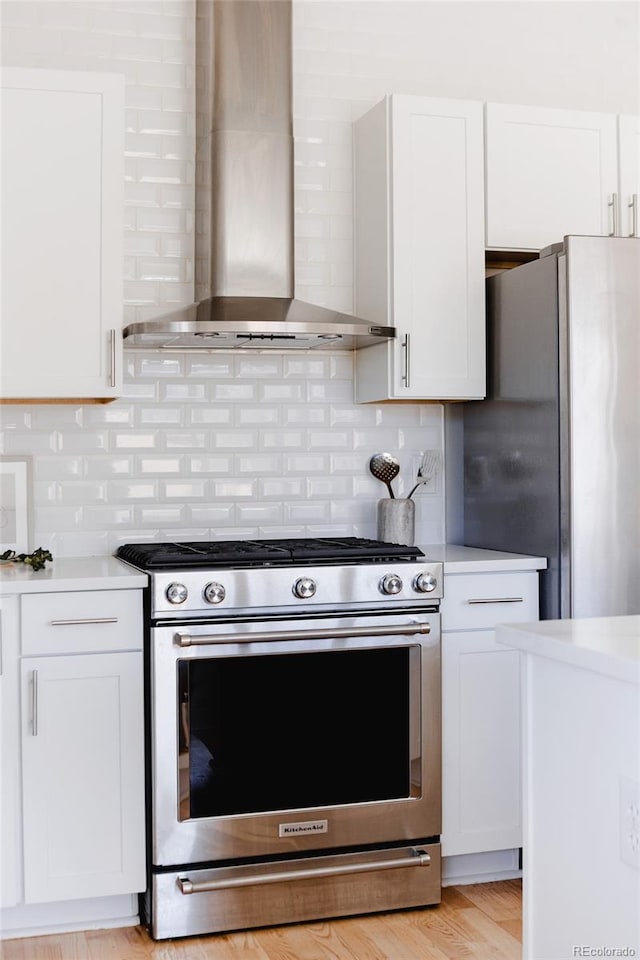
{"x": 214, "y": 367}
{"x": 106, "y": 467}
{"x": 159, "y": 515}
{"x": 258, "y": 367}
{"x": 184, "y": 392}
{"x": 234, "y": 440}
{"x": 258, "y": 464}
{"x": 125, "y": 490}
{"x": 232, "y": 488}
{"x": 160, "y": 466}
{"x": 234, "y": 392}
{"x": 282, "y": 440}
{"x": 257, "y": 415}
{"x": 184, "y": 489}
{"x": 159, "y": 416}
{"x": 135, "y": 441}
{"x": 307, "y": 511}
{"x": 289, "y": 392}
{"x": 220, "y": 465}
{"x": 329, "y": 487}
{"x": 185, "y": 440}
{"x": 57, "y": 468}
{"x": 280, "y": 488}
{"x": 209, "y": 415}
{"x": 259, "y": 513}
{"x": 103, "y": 518}
{"x": 80, "y": 492}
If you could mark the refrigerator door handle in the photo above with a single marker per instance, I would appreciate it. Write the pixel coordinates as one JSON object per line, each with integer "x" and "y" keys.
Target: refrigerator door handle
{"x": 633, "y": 206}
{"x": 613, "y": 207}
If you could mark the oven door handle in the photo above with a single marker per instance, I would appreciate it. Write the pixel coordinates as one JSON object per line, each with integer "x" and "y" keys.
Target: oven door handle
{"x": 419, "y": 858}
{"x": 399, "y": 630}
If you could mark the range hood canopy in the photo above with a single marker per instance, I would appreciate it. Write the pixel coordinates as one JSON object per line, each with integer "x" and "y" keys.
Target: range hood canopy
{"x": 250, "y": 142}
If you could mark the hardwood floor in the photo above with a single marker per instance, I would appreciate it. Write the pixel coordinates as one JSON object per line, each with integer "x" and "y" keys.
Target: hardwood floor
{"x": 476, "y": 922}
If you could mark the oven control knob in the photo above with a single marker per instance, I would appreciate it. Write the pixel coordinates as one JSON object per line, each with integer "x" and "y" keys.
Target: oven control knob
{"x": 425, "y": 583}
{"x": 176, "y": 593}
{"x": 391, "y": 584}
{"x": 304, "y": 587}
{"x": 214, "y": 592}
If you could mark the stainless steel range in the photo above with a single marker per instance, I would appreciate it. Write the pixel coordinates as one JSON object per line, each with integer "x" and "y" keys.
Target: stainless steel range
{"x": 294, "y": 731}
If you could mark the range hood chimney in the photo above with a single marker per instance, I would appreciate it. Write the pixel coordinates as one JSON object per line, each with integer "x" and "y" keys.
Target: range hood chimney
{"x": 252, "y": 303}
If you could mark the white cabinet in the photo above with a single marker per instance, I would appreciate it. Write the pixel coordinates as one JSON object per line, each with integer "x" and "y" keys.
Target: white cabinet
{"x": 62, "y": 233}
{"x": 629, "y": 168}
{"x": 82, "y": 745}
{"x": 549, "y": 173}
{"x": 9, "y": 753}
{"x": 420, "y": 248}
{"x": 481, "y": 781}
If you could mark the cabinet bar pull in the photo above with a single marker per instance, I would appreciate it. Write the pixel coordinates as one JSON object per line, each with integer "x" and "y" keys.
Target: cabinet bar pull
{"x": 66, "y": 623}
{"x": 613, "y": 206}
{"x": 401, "y": 630}
{"x": 406, "y": 346}
{"x": 112, "y": 358}
{"x": 419, "y": 859}
{"x": 497, "y": 600}
{"x": 633, "y": 206}
{"x": 34, "y": 703}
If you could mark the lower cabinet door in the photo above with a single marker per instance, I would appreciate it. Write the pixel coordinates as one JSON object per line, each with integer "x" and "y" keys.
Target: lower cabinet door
{"x": 83, "y": 776}
{"x": 481, "y": 778}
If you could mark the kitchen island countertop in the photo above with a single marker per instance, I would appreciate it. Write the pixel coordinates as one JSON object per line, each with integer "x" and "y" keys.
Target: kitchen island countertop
{"x": 606, "y": 645}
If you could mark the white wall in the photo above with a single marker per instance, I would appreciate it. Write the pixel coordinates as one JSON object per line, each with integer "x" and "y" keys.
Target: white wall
{"x": 272, "y": 446}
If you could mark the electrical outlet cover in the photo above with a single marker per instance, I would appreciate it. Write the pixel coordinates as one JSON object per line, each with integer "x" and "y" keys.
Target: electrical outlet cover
{"x": 630, "y": 822}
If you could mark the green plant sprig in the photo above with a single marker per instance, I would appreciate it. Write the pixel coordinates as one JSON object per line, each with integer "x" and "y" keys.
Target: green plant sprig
{"x": 35, "y": 560}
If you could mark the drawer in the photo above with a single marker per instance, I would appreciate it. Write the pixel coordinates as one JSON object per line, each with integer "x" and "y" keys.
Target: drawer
{"x": 85, "y": 621}
{"x": 477, "y": 601}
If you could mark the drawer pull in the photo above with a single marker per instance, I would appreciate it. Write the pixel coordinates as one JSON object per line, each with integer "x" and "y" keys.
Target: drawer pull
{"x": 497, "y": 600}
{"x": 67, "y": 623}
{"x": 420, "y": 858}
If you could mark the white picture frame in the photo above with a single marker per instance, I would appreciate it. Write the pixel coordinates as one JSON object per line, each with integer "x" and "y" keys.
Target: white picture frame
{"x": 15, "y": 504}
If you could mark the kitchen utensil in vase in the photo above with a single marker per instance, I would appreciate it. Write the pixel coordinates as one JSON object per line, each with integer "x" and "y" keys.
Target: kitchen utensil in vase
{"x": 426, "y": 470}
{"x": 386, "y": 468}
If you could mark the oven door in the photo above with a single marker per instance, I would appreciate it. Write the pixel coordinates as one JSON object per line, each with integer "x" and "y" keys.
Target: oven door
{"x": 280, "y": 736}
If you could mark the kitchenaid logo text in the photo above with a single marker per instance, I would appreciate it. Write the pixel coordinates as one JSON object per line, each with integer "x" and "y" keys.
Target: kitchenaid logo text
{"x": 604, "y": 951}
{"x": 305, "y": 826}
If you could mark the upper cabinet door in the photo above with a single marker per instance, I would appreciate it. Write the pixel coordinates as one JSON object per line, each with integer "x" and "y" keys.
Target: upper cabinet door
{"x": 549, "y": 173}
{"x": 629, "y": 164}
{"x": 62, "y": 223}
{"x": 420, "y": 248}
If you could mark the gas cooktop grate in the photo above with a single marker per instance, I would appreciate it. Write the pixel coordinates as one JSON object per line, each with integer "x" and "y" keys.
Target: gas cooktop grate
{"x": 260, "y": 553}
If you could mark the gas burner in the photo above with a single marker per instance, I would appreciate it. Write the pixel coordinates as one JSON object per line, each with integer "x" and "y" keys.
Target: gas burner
{"x": 238, "y": 554}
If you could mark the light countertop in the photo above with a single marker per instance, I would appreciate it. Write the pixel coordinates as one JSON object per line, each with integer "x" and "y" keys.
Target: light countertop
{"x": 459, "y": 559}
{"x": 70, "y": 573}
{"x": 606, "y": 645}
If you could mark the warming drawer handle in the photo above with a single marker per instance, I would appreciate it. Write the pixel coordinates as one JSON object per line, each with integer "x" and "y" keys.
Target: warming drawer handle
{"x": 401, "y": 630}
{"x": 85, "y": 620}
{"x": 497, "y": 600}
{"x": 418, "y": 859}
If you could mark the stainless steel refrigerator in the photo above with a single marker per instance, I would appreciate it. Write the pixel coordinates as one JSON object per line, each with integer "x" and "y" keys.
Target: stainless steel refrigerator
{"x": 552, "y": 456}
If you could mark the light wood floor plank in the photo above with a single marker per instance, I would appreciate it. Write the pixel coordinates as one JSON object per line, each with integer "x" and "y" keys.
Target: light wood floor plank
{"x": 499, "y": 904}
{"x": 478, "y": 922}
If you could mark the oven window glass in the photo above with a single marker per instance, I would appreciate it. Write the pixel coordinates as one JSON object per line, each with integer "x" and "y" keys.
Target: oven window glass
{"x": 280, "y": 732}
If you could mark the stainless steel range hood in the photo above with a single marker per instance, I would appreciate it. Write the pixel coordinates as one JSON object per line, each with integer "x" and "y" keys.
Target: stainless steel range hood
{"x": 251, "y": 209}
